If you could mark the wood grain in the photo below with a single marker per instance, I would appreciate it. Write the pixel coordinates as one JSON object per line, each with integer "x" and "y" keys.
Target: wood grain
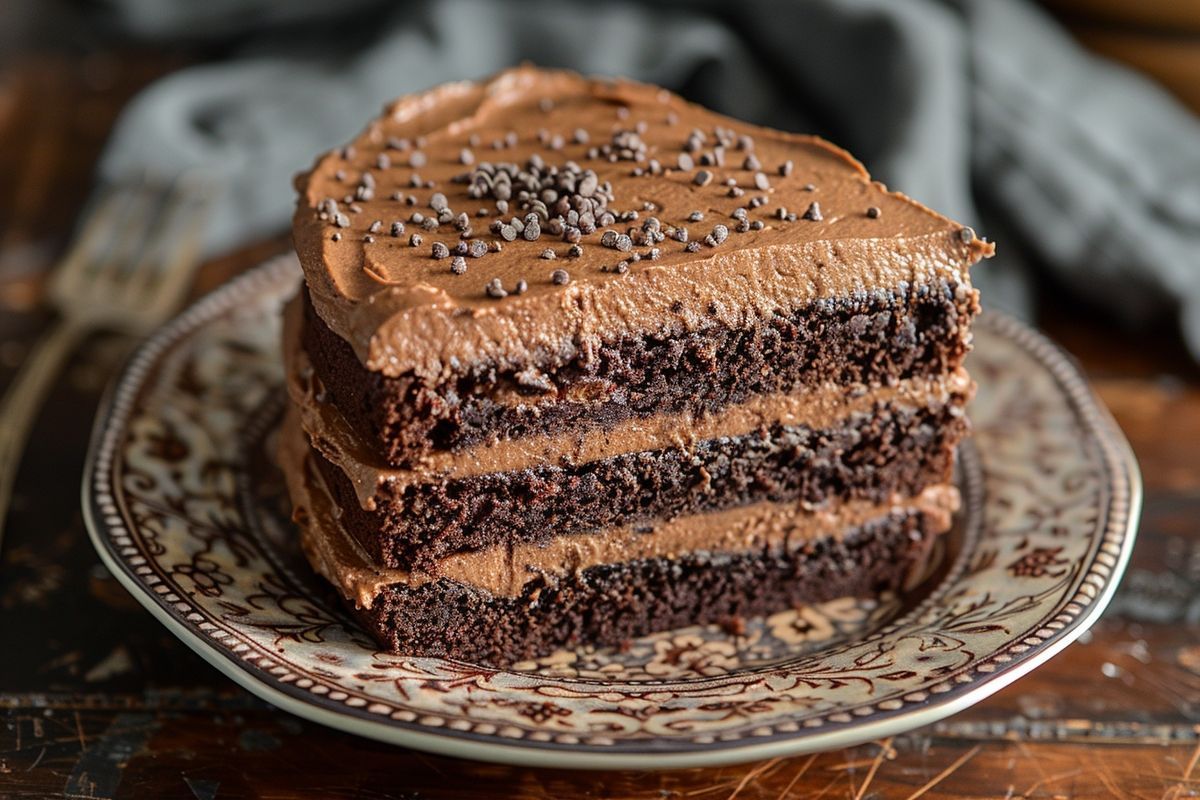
{"x": 98, "y": 700}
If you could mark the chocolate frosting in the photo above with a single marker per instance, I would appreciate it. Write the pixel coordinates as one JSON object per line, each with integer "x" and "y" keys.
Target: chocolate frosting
{"x": 505, "y": 570}
{"x": 823, "y": 229}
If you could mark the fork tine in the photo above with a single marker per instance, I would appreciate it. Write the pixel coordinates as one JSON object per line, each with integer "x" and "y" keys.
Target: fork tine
{"x": 164, "y": 271}
{"x": 95, "y": 239}
{"x": 141, "y": 216}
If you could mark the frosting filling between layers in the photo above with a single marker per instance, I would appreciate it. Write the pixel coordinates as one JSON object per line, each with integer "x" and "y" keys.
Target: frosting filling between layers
{"x": 504, "y": 570}
{"x": 812, "y": 407}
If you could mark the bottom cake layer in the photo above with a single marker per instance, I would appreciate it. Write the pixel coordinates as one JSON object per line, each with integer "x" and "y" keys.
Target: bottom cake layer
{"x": 614, "y": 603}
{"x": 495, "y": 611}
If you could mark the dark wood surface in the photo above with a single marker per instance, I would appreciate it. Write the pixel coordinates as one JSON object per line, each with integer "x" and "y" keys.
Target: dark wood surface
{"x": 99, "y": 700}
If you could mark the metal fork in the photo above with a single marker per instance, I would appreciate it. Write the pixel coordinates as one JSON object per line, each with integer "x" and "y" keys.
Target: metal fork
{"x": 126, "y": 272}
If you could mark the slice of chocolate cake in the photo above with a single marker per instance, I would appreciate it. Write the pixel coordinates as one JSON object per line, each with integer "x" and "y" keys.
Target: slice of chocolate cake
{"x": 577, "y": 360}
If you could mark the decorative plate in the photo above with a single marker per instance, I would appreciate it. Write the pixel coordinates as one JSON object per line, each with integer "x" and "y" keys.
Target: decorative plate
{"x": 186, "y": 508}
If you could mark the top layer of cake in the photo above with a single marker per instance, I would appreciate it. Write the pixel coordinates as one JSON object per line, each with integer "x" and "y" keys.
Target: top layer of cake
{"x": 650, "y": 216}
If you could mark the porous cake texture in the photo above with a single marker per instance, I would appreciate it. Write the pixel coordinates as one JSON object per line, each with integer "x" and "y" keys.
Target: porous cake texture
{"x": 576, "y": 360}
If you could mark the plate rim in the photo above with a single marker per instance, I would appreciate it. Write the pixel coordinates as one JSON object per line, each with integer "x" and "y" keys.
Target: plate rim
{"x": 461, "y": 744}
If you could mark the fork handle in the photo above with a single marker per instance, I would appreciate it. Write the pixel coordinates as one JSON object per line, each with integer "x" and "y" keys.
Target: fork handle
{"x": 24, "y": 399}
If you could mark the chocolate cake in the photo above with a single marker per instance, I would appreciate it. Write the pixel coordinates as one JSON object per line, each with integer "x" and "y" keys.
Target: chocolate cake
{"x": 576, "y": 360}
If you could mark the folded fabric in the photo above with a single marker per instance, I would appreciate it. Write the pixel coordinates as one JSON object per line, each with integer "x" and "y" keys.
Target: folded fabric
{"x": 1081, "y": 165}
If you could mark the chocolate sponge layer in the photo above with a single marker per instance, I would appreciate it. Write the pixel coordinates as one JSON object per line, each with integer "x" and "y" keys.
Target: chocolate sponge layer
{"x": 894, "y": 450}
{"x": 610, "y": 604}
{"x": 864, "y": 338}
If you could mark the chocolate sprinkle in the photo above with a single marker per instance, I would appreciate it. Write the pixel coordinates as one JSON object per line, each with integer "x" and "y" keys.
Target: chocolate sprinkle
{"x": 703, "y": 178}
{"x": 873, "y": 212}
{"x": 560, "y": 277}
{"x": 589, "y": 184}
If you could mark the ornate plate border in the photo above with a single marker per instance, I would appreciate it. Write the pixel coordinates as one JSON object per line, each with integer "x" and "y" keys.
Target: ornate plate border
{"x": 107, "y": 527}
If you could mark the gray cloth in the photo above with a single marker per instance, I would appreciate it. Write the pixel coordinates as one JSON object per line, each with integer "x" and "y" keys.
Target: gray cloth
{"x": 966, "y": 104}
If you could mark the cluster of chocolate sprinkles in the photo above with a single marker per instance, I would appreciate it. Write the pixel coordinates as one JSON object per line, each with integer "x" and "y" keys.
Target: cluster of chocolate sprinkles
{"x": 567, "y": 201}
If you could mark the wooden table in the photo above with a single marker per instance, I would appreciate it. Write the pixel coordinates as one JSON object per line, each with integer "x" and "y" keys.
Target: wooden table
{"x": 99, "y": 700}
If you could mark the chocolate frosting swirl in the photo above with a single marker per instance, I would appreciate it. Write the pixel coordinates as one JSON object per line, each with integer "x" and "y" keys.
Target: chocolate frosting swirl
{"x": 814, "y": 224}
